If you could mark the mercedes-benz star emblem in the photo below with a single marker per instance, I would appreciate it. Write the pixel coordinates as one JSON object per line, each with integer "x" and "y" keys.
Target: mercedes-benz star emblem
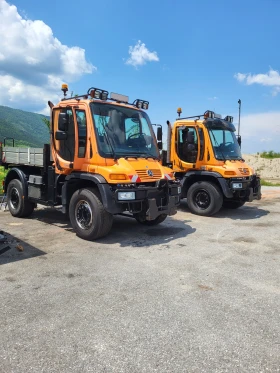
{"x": 150, "y": 173}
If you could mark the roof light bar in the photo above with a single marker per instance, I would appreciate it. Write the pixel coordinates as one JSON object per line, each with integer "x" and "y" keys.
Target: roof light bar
{"x": 141, "y": 104}
{"x": 228, "y": 118}
{"x": 211, "y": 114}
{"x": 101, "y": 94}
{"x": 98, "y": 94}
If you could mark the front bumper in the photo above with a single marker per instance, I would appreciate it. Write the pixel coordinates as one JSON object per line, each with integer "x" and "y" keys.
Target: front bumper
{"x": 248, "y": 188}
{"x": 149, "y": 202}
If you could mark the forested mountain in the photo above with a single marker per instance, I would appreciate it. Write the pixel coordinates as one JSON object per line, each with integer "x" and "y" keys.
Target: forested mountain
{"x": 28, "y": 129}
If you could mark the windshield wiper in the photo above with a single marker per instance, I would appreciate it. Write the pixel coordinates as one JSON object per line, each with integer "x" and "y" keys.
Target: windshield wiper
{"x": 141, "y": 155}
{"x": 236, "y": 158}
{"x": 149, "y": 155}
{"x": 132, "y": 155}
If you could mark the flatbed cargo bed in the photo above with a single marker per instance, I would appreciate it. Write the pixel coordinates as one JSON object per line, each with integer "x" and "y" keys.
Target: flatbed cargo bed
{"x": 23, "y": 156}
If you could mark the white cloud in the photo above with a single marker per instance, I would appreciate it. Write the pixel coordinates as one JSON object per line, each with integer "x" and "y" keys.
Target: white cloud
{"x": 213, "y": 98}
{"x": 140, "y": 55}
{"x": 271, "y": 79}
{"x": 266, "y": 139}
{"x": 33, "y": 62}
{"x": 260, "y": 132}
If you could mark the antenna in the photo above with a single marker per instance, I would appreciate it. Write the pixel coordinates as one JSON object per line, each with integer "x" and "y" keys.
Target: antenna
{"x": 239, "y": 103}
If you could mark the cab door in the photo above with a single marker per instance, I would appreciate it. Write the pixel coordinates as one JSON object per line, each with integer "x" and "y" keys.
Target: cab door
{"x": 186, "y": 147}
{"x": 82, "y": 148}
{"x": 63, "y": 150}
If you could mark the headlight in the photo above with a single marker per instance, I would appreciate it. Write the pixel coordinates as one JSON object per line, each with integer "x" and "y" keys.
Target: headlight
{"x": 179, "y": 190}
{"x": 236, "y": 185}
{"x": 126, "y": 196}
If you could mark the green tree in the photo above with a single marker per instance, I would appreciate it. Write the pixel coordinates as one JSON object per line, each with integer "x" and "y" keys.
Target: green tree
{"x": 47, "y": 123}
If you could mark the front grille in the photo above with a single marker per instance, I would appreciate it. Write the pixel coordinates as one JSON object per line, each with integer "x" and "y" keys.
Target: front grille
{"x": 244, "y": 171}
{"x": 144, "y": 175}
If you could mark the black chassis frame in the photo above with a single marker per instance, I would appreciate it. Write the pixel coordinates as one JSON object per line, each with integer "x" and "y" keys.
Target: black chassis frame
{"x": 251, "y": 187}
{"x": 150, "y": 201}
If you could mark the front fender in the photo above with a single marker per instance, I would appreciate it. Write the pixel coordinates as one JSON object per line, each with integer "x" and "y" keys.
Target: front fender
{"x": 95, "y": 179}
{"x": 190, "y": 177}
{"x": 16, "y": 173}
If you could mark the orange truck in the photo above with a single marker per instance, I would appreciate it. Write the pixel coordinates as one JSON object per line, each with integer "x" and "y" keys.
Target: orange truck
{"x": 103, "y": 160}
{"x": 205, "y": 155}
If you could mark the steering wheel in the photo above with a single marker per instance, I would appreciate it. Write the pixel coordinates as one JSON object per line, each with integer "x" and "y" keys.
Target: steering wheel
{"x": 134, "y": 134}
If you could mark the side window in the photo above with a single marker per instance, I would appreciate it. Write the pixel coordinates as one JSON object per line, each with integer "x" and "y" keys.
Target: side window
{"x": 82, "y": 132}
{"x": 187, "y": 146}
{"x": 65, "y": 148}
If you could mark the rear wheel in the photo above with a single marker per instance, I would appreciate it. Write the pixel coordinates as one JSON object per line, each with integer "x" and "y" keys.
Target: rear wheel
{"x": 233, "y": 204}
{"x": 204, "y": 198}
{"x": 88, "y": 217}
{"x": 156, "y": 221}
{"x": 19, "y": 206}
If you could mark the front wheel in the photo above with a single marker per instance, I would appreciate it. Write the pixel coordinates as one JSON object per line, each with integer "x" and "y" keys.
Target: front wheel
{"x": 19, "y": 206}
{"x": 88, "y": 217}
{"x": 204, "y": 198}
{"x": 156, "y": 221}
{"x": 233, "y": 204}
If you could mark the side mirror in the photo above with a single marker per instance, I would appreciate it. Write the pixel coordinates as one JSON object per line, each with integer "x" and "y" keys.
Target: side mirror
{"x": 239, "y": 140}
{"x": 159, "y": 145}
{"x": 190, "y": 137}
{"x": 60, "y": 135}
{"x": 63, "y": 121}
{"x": 159, "y": 134}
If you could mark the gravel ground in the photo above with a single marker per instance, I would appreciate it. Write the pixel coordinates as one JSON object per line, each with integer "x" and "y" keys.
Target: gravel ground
{"x": 191, "y": 295}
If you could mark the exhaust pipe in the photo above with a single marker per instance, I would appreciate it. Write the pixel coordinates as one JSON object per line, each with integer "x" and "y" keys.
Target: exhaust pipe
{"x": 169, "y": 133}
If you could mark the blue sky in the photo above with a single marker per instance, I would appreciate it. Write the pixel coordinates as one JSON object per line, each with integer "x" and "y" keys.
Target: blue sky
{"x": 198, "y": 55}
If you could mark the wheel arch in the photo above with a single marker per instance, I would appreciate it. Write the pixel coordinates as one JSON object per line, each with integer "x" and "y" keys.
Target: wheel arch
{"x": 194, "y": 176}
{"x": 16, "y": 173}
{"x": 76, "y": 181}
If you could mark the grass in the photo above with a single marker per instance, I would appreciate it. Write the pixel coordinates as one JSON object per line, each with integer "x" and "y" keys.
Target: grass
{"x": 270, "y": 155}
{"x": 2, "y": 175}
{"x": 268, "y": 183}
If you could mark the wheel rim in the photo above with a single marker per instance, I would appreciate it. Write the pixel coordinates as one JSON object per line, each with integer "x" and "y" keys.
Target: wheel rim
{"x": 202, "y": 199}
{"x": 14, "y": 198}
{"x": 83, "y": 214}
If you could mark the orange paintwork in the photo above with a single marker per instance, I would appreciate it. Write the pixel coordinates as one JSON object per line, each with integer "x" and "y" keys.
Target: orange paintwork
{"x": 224, "y": 168}
{"x": 96, "y": 163}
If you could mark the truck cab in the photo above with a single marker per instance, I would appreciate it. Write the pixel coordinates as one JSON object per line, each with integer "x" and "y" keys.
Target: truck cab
{"x": 103, "y": 160}
{"x": 205, "y": 155}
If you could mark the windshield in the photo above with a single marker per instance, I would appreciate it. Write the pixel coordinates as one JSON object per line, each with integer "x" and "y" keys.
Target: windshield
{"x": 224, "y": 144}
{"x": 123, "y": 132}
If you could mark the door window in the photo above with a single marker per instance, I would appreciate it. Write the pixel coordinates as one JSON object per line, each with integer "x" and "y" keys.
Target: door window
{"x": 82, "y": 132}
{"x": 65, "y": 148}
{"x": 187, "y": 149}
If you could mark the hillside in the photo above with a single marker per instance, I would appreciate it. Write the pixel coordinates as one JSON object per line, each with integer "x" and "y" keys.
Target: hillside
{"x": 26, "y": 128}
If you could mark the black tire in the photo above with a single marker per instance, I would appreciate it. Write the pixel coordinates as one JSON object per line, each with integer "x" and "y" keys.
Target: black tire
{"x": 233, "y": 204}
{"x": 156, "y": 221}
{"x": 204, "y": 198}
{"x": 19, "y": 206}
{"x": 88, "y": 217}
